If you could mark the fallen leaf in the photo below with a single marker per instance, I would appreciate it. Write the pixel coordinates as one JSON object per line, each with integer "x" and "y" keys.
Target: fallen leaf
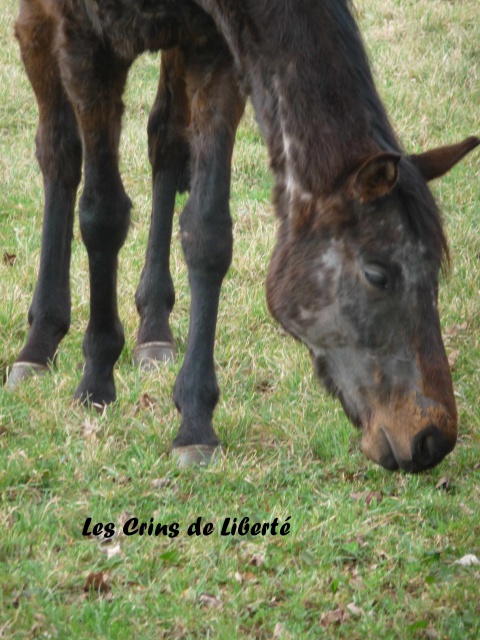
{"x": 356, "y": 581}
{"x": 367, "y": 496}
{"x": 443, "y": 483}
{"x": 336, "y": 617}
{"x": 147, "y": 402}
{"x": 468, "y": 560}
{"x": 159, "y": 483}
{"x": 97, "y": 582}
{"x": 373, "y": 496}
{"x": 453, "y": 359}
{"x": 113, "y": 550}
{"x": 179, "y": 632}
{"x": 466, "y": 509}
{"x": 124, "y": 517}
{"x": 354, "y": 610}
{"x": 257, "y": 560}
{"x": 238, "y": 577}
{"x": 264, "y": 386}
{"x": 455, "y": 329}
{"x": 9, "y": 259}
{"x": 207, "y": 600}
{"x": 89, "y": 429}
{"x": 280, "y": 631}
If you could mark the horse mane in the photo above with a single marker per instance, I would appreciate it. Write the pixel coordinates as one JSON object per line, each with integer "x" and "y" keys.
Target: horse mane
{"x": 419, "y": 209}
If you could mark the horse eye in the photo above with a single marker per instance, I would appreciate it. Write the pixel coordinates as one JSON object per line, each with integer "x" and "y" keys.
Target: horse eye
{"x": 376, "y": 277}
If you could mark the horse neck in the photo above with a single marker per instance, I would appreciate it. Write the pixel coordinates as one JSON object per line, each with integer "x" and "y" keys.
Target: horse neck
{"x": 311, "y": 87}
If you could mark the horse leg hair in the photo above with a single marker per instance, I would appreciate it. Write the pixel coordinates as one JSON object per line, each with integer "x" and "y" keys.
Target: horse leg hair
{"x": 206, "y": 233}
{"x": 94, "y": 79}
{"x": 59, "y": 155}
{"x": 168, "y": 154}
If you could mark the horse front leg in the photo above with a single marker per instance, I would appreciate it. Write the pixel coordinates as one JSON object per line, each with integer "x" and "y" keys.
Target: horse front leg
{"x": 206, "y": 233}
{"x": 168, "y": 154}
{"x": 59, "y": 155}
{"x": 95, "y": 78}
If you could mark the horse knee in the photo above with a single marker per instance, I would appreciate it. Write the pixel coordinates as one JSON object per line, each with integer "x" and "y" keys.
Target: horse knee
{"x": 104, "y": 219}
{"x": 207, "y": 243}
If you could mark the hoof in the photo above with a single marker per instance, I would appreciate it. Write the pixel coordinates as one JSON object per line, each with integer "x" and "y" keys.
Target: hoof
{"x": 148, "y": 353}
{"x": 21, "y": 371}
{"x": 197, "y": 454}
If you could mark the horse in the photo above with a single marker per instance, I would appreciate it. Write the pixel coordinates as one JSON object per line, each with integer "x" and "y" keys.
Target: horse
{"x": 354, "y": 273}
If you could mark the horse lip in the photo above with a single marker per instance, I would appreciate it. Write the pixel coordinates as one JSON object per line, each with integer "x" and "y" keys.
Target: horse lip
{"x": 399, "y": 464}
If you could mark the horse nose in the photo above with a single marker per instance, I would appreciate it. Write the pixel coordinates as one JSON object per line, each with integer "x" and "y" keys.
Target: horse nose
{"x": 402, "y": 444}
{"x": 429, "y": 447}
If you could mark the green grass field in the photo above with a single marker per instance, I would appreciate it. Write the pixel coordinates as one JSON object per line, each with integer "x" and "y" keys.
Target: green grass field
{"x": 370, "y": 554}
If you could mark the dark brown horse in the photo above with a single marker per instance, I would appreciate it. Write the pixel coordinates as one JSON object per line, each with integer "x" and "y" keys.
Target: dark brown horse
{"x": 354, "y": 274}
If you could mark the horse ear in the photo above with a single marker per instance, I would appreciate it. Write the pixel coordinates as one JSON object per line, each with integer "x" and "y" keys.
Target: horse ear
{"x": 376, "y": 177}
{"x": 433, "y": 164}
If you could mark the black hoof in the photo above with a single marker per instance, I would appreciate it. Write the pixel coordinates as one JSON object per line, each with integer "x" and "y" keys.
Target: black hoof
{"x": 197, "y": 454}
{"x": 149, "y": 353}
{"x": 96, "y": 394}
{"x": 22, "y": 371}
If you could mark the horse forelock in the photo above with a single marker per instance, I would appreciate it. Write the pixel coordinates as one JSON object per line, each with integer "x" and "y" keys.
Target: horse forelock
{"x": 422, "y": 213}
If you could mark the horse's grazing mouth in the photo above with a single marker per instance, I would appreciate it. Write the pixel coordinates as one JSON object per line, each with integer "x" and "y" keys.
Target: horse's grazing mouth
{"x": 427, "y": 449}
{"x": 402, "y": 434}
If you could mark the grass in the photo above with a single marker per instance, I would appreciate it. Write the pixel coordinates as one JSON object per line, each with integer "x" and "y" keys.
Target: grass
{"x": 370, "y": 553}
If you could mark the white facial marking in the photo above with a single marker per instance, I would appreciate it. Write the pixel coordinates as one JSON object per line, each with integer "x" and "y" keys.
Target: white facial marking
{"x": 329, "y": 259}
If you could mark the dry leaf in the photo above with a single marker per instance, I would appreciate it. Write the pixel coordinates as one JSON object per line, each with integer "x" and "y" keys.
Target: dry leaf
{"x": 147, "y": 402}
{"x": 443, "y": 483}
{"x": 97, "y": 582}
{"x": 89, "y": 429}
{"x": 368, "y": 496}
{"x": 354, "y": 610}
{"x": 113, "y": 550}
{"x": 280, "y": 631}
{"x": 373, "y": 496}
{"x": 329, "y": 618}
{"x": 357, "y": 496}
{"x": 264, "y": 386}
{"x": 125, "y": 516}
{"x": 456, "y": 329}
{"x": 468, "y": 560}
{"x": 159, "y": 483}
{"x": 248, "y": 576}
{"x": 356, "y": 581}
{"x": 238, "y": 577}
{"x": 207, "y": 600}
{"x": 453, "y": 359}
{"x": 9, "y": 259}
{"x": 257, "y": 560}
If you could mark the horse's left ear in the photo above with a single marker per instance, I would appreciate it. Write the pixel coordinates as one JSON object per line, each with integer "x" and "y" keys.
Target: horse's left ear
{"x": 435, "y": 163}
{"x": 376, "y": 177}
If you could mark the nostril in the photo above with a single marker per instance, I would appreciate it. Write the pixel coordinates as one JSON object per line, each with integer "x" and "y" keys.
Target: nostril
{"x": 429, "y": 447}
{"x": 424, "y": 451}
